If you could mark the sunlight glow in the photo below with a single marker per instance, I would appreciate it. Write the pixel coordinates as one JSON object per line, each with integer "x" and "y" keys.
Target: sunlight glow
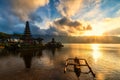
{"x": 96, "y": 53}
{"x": 93, "y": 33}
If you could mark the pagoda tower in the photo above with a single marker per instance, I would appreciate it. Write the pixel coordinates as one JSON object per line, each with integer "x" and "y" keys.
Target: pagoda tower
{"x": 27, "y": 34}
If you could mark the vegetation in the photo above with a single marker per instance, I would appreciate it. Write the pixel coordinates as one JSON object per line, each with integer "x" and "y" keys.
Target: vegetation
{"x": 4, "y": 35}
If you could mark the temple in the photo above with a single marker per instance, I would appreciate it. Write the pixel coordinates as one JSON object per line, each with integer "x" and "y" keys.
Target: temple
{"x": 27, "y": 34}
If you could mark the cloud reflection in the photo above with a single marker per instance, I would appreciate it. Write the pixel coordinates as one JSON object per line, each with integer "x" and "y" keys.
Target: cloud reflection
{"x": 45, "y": 60}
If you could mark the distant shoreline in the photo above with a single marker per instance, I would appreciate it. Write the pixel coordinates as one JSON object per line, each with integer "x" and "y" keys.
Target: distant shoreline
{"x": 91, "y": 43}
{"x": 71, "y": 39}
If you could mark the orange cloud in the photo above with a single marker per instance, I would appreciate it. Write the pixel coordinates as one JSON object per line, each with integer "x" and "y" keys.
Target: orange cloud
{"x": 23, "y": 8}
{"x": 71, "y": 27}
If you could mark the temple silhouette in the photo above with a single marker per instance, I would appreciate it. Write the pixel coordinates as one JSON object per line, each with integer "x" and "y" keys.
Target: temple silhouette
{"x": 27, "y": 34}
{"x": 27, "y": 38}
{"x": 30, "y": 43}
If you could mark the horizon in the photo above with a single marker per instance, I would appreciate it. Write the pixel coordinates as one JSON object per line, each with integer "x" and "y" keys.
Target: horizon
{"x": 62, "y": 35}
{"x": 69, "y": 39}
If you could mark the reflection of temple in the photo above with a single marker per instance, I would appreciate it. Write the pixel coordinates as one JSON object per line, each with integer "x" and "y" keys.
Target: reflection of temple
{"x": 27, "y": 34}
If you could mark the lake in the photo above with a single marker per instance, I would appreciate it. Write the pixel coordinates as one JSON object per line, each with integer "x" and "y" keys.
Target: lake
{"x": 104, "y": 59}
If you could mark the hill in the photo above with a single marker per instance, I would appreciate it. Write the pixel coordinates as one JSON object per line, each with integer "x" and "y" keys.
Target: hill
{"x": 69, "y": 39}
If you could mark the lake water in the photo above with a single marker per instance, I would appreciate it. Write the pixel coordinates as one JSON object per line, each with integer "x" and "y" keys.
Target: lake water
{"x": 104, "y": 60}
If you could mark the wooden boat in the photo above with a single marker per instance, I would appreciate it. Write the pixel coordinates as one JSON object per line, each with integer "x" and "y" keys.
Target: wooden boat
{"x": 76, "y": 63}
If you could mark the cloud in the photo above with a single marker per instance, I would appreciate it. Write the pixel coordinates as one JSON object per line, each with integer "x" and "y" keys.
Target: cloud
{"x": 107, "y": 25}
{"x": 54, "y": 31}
{"x": 66, "y": 27}
{"x": 4, "y": 26}
{"x": 35, "y": 17}
{"x": 14, "y": 13}
{"x": 45, "y": 19}
{"x": 114, "y": 32}
{"x": 69, "y": 7}
{"x": 23, "y": 8}
{"x": 111, "y": 23}
{"x": 92, "y": 9}
{"x": 118, "y": 13}
{"x": 70, "y": 27}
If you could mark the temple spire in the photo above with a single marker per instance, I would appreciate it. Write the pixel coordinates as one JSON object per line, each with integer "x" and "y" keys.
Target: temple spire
{"x": 27, "y": 33}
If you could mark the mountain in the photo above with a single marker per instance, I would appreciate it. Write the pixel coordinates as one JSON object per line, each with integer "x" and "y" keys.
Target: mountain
{"x": 113, "y": 32}
{"x": 81, "y": 39}
{"x": 69, "y": 39}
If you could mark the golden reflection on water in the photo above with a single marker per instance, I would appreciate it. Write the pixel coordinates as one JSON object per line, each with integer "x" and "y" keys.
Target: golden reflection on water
{"x": 83, "y": 50}
{"x": 96, "y": 52}
{"x": 100, "y": 76}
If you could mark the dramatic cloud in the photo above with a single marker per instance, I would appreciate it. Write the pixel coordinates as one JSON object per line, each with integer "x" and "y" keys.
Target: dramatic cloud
{"x": 71, "y": 27}
{"x": 14, "y": 13}
{"x": 23, "y": 8}
{"x": 69, "y": 7}
{"x": 60, "y": 17}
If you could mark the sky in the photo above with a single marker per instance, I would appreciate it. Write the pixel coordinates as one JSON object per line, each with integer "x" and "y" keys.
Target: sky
{"x": 61, "y": 17}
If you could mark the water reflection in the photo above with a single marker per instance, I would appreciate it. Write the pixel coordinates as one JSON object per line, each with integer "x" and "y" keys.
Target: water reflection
{"x": 104, "y": 60}
{"x": 96, "y": 52}
{"x": 46, "y": 61}
{"x": 27, "y": 60}
{"x": 47, "y": 58}
{"x": 100, "y": 76}
{"x": 53, "y": 51}
{"x": 26, "y": 55}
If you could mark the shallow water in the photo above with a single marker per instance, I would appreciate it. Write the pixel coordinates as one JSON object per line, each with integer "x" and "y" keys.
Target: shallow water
{"x": 104, "y": 60}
